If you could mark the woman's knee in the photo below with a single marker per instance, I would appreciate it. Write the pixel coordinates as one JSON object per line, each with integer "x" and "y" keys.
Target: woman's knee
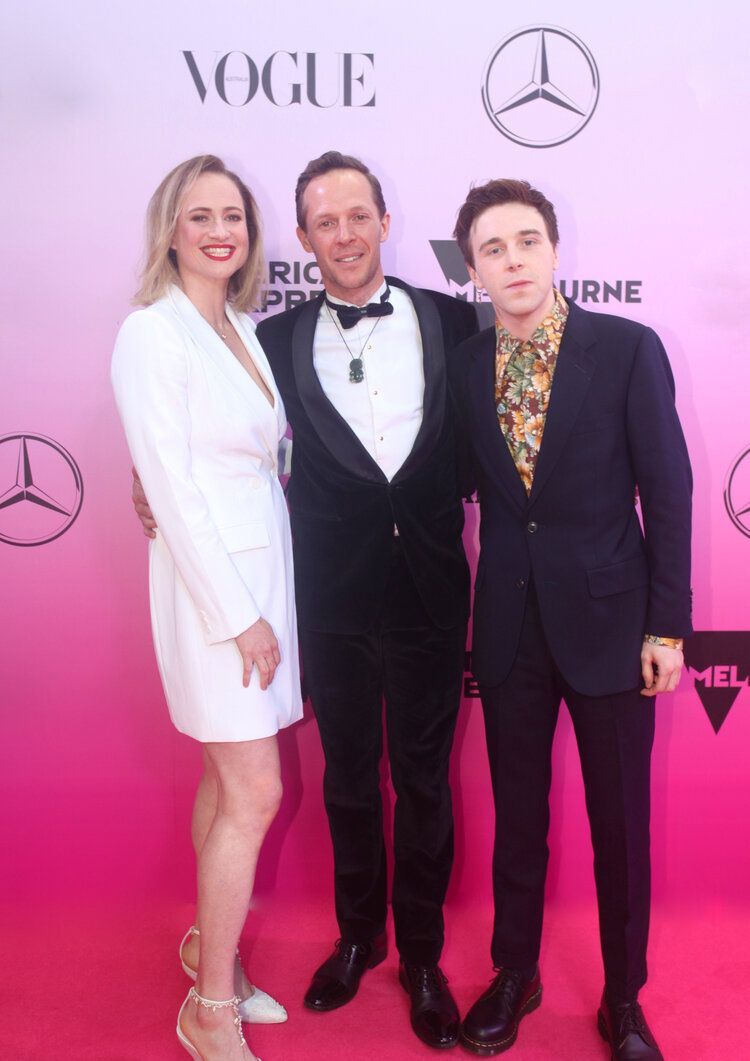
{"x": 265, "y": 796}
{"x": 252, "y": 802}
{"x": 249, "y": 781}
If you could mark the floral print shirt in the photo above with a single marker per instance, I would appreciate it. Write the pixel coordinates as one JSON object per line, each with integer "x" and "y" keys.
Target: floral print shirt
{"x": 523, "y": 381}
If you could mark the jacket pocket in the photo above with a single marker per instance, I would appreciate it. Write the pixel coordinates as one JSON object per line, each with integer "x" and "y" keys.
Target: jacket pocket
{"x": 618, "y": 578}
{"x": 245, "y": 536}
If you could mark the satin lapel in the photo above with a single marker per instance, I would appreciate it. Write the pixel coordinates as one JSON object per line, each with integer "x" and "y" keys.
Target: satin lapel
{"x": 433, "y": 360}
{"x": 576, "y": 361}
{"x": 488, "y": 439}
{"x": 332, "y": 429}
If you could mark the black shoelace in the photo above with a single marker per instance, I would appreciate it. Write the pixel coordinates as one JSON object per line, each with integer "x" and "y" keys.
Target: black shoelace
{"x": 631, "y": 1020}
{"x": 506, "y": 985}
{"x": 349, "y": 951}
{"x": 427, "y": 978}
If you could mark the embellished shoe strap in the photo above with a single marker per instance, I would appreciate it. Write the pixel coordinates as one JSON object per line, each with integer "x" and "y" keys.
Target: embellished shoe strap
{"x": 229, "y": 1003}
{"x": 209, "y": 1003}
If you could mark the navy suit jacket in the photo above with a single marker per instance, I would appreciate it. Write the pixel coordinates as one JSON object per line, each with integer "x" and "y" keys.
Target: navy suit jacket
{"x": 342, "y": 506}
{"x": 602, "y": 582}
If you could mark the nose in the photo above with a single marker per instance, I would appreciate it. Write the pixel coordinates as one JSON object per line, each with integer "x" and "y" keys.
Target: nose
{"x": 219, "y": 230}
{"x": 514, "y": 258}
{"x": 344, "y": 231}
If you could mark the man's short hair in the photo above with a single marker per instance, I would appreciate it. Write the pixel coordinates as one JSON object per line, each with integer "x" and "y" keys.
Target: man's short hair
{"x": 498, "y": 193}
{"x": 327, "y": 162}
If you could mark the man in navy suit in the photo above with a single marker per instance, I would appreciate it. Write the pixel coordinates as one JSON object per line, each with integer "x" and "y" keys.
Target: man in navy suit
{"x": 571, "y": 419}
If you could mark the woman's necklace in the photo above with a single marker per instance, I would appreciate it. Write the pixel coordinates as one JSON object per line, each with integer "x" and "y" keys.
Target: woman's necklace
{"x": 219, "y": 329}
{"x": 356, "y": 368}
{"x": 220, "y": 332}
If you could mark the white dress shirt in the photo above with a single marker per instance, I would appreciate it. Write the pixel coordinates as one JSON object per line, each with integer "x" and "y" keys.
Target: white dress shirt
{"x": 385, "y": 409}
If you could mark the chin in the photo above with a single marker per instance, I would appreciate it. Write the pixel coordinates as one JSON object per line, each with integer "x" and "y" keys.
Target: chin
{"x": 352, "y": 283}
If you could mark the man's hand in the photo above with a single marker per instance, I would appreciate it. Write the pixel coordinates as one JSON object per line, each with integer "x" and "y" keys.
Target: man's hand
{"x": 140, "y": 504}
{"x": 661, "y": 668}
{"x": 258, "y": 645}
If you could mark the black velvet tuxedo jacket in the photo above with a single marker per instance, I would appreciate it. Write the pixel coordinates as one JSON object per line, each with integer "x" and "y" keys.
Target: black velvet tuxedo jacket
{"x": 611, "y": 426}
{"x": 342, "y": 506}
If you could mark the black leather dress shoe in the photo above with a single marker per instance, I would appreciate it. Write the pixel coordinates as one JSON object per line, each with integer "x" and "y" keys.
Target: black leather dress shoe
{"x": 624, "y": 1028}
{"x": 336, "y": 981}
{"x": 491, "y": 1025}
{"x": 434, "y": 1014}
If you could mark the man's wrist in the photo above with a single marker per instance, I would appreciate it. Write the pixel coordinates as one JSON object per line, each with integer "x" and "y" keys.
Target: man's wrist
{"x": 667, "y": 642}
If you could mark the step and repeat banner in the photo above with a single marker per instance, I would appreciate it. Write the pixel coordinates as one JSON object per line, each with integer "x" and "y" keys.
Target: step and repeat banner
{"x": 630, "y": 118}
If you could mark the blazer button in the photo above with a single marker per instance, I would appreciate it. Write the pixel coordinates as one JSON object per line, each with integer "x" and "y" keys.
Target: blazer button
{"x": 532, "y": 527}
{"x": 520, "y": 583}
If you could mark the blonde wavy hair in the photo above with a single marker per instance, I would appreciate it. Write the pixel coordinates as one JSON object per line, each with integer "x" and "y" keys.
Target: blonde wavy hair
{"x": 160, "y": 268}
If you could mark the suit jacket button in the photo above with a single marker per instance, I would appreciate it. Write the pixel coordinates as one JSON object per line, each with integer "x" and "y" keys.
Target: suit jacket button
{"x": 520, "y": 583}
{"x": 532, "y": 527}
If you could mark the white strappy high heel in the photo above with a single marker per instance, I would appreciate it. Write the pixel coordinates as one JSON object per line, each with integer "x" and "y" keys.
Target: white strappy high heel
{"x": 258, "y": 1008}
{"x": 208, "y": 1003}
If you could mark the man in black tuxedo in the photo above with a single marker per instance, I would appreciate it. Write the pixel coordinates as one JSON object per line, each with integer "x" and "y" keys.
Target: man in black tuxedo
{"x": 382, "y": 583}
{"x": 569, "y": 414}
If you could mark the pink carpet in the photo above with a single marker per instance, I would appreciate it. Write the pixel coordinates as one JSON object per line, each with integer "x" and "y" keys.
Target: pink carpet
{"x": 105, "y": 985}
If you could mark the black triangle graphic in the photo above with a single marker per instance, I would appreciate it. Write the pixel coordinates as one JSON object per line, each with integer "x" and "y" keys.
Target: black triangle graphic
{"x": 717, "y": 702}
{"x": 709, "y": 649}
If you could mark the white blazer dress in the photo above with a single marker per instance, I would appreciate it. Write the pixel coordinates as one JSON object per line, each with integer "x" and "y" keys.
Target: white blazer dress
{"x": 205, "y": 441}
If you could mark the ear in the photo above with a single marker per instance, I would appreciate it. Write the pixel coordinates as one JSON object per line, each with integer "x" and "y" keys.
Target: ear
{"x": 302, "y": 237}
{"x": 474, "y": 277}
{"x": 555, "y": 260}
{"x": 385, "y": 227}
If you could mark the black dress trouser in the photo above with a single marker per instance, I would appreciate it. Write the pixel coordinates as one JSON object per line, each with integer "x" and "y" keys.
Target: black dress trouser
{"x": 417, "y": 669}
{"x": 614, "y": 736}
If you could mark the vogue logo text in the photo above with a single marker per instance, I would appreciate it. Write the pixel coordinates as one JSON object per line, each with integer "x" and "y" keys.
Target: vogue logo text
{"x": 341, "y": 79}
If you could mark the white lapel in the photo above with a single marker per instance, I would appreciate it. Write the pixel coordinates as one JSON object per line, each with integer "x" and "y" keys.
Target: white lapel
{"x": 206, "y": 338}
{"x": 246, "y": 332}
{"x": 273, "y": 423}
{"x": 266, "y": 417}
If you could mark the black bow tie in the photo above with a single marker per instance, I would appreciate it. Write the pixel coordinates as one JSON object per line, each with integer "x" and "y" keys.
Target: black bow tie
{"x": 351, "y": 315}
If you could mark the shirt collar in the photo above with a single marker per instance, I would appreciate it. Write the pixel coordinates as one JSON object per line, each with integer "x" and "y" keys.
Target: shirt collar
{"x": 374, "y": 297}
{"x": 548, "y": 332}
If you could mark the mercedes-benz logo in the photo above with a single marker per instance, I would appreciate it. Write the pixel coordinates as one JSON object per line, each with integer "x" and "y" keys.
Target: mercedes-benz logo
{"x": 737, "y": 493}
{"x": 41, "y": 489}
{"x": 540, "y": 86}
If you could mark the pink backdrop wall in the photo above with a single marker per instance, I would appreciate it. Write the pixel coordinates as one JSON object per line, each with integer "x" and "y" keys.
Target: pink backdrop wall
{"x": 98, "y": 104}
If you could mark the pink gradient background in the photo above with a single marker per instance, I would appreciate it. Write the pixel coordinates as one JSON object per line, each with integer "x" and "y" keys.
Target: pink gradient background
{"x": 96, "y": 788}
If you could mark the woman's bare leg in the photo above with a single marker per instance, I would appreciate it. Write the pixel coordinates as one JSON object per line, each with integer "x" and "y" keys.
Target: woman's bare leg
{"x": 248, "y": 791}
{"x": 204, "y": 812}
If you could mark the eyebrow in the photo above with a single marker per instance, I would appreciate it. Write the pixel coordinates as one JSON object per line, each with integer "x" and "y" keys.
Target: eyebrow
{"x": 207, "y": 209}
{"x": 496, "y": 239}
{"x": 350, "y": 210}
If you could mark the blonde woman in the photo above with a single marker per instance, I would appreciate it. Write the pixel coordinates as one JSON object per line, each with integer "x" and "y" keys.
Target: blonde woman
{"x": 203, "y": 420}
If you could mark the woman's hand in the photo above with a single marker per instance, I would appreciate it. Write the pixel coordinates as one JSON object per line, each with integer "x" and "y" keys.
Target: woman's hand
{"x": 258, "y": 645}
{"x": 140, "y": 504}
